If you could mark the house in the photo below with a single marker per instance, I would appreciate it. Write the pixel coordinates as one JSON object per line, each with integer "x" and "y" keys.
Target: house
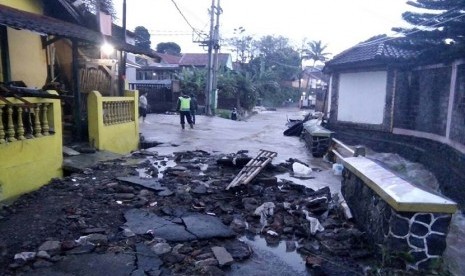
{"x": 37, "y": 49}
{"x": 381, "y": 96}
{"x": 158, "y": 76}
{"x": 200, "y": 60}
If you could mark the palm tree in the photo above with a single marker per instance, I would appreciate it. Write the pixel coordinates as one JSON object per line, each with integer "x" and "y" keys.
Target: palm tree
{"x": 316, "y": 52}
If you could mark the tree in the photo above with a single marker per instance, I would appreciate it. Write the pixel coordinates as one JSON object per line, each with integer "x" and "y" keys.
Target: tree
{"x": 242, "y": 45}
{"x": 170, "y": 48}
{"x": 315, "y": 52}
{"x": 142, "y": 38}
{"x": 91, "y": 5}
{"x": 438, "y": 32}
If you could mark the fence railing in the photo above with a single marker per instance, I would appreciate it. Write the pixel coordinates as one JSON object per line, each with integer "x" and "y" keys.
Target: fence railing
{"x": 30, "y": 144}
{"x": 113, "y": 123}
{"x": 21, "y": 119}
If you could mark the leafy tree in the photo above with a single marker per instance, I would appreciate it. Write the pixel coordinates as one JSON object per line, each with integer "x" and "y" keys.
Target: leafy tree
{"x": 106, "y": 6}
{"x": 316, "y": 52}
{"x": 169, "y": 48}
{"x": 193, "y": 80}
{"x": 242, "y": 45}
{"x": 142, "y": 37}
{"x": 438, "y": 32}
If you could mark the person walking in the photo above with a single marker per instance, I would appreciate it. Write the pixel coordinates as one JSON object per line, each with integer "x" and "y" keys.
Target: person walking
{"x": 143, "y": 104}
{"x": 184, "y": 108}
{"x": 193, "y": 107}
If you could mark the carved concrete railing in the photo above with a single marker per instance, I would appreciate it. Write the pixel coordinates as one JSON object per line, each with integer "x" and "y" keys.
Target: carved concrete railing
{"x": 30, "y": 144}
{"x": 23, "y": 120}
{"x": 113, "y": 124}
{"x": 395, "y": 214}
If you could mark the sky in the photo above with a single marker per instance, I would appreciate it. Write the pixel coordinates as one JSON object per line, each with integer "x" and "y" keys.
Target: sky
{"x": 340, "y": 24}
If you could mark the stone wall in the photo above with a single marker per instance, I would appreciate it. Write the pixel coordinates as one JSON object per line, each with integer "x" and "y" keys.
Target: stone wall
{"x": 446, "y": 163}
{"x": 421, "y": 235}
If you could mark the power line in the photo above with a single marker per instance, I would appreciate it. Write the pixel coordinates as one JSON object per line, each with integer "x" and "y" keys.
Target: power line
{"x": 185, "y": 19}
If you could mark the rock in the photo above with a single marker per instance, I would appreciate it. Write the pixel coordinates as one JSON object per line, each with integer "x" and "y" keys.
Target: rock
{"x": 290, "y": 246}
{"x": 238, "y": 225}
{"x": 222, "y": 256}
{"x": 51, "y": 247}
{"x": 93, "y": 230}
{"x": 82, "y": 249}
{"x": 313, "y": 262}
{"x": 97, "y": 239}
{"x": 211, "y": 271}
{"x": 41, "y": 264}
{"x": 161, "y": 248}
{"x": 206, "y": 262}
{"x": 69, "y": 151}
{"x": 124, "y": 196}
{"x": 200, "y": 190}
{"x": 238, "y": 250}
{"x": 249, "y": 203}
{"x": 43, "y": 254}
{"x": 68, "y": 245}
{"x": 24, "y": 257}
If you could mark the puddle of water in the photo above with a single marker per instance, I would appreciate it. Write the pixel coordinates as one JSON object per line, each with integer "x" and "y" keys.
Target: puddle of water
{"x": 270, "y": 259}
{"x": 161, "y": 165}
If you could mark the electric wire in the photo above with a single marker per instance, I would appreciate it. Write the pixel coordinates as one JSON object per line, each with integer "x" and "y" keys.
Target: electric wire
{"x": 185, "y": 19}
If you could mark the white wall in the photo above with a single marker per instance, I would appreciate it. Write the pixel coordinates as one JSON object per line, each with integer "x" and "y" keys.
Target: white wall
{"x": 362, "y": 97}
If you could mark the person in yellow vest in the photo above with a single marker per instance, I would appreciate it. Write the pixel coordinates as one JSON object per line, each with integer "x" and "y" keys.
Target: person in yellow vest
{"x": 184, "y": 108}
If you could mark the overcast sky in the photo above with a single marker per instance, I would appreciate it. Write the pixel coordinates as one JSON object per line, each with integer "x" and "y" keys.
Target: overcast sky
{"x": 338, "y": 23}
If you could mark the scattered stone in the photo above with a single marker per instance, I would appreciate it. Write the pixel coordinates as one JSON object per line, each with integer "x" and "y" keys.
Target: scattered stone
{"x": 222, "y": 256}
{"x": 238, "y": 225}
{"x": 41, "y": 264}
{"x": 290, "y": 246}
{"x": 51, "y": 247}
{"x": 161, "y": 248}
{"x": 24, "y": 257}
{"x": 124, "y": 196}
{"x": 82, "y": 249}
{"x": 149, "y": 183}
{"x": 93, "y": 230}
{"x": 206, "y": 262}
{"x": 43, "y": 254}
{"x": 97, "y": 239}
{"x": 238, "y": 250}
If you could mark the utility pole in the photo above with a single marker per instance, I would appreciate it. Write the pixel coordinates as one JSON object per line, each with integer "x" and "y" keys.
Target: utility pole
{"x": 122, "y": 64}
{"x": 216, "y": 47}
{"x": 209, "y": 87}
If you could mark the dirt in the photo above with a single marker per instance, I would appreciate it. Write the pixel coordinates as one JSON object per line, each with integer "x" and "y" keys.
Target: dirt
{"x": 94, "y": 201}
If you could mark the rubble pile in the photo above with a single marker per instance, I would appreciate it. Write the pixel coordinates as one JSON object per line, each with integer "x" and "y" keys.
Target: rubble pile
{"x": 147, "y": 214}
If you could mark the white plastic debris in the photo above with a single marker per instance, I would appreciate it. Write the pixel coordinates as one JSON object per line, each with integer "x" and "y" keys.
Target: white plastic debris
{"x": 266, "y": 208}
{"x": 272, "y": 233}
{"x": 337, "y": 169}
{"x": 315, "y": 225}
{"x": 119, "y": 202}
{"x": 300, "y": 170}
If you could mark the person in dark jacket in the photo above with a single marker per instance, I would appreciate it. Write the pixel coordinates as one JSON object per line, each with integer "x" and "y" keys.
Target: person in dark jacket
{"x": 194, "y": 107}
{"x": 184, "y": 108}
{"x": 234, "y": 114}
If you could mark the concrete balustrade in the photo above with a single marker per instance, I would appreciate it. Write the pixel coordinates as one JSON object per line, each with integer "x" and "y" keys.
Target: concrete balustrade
{"x": 113, "y": 124}
{"x": 30, "y": 144}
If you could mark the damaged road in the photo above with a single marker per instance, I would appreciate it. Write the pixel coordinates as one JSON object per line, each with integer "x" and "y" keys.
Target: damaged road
{"x": 159, "y": 213}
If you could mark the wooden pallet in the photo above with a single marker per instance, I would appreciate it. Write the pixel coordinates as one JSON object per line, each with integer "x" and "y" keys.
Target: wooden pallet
{"x": 252, "y": 168}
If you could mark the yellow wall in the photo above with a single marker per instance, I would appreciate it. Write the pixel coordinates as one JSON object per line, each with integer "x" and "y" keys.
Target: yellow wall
{"x": 34, "y": 6}
{"x": 119, "y": 138}
{"x": 27, "y": 58}
{"x": 29, "y": 164}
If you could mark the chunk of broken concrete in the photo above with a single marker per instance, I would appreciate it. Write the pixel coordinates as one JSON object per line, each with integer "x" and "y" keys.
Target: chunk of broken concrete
{"x": 222, "y": 256}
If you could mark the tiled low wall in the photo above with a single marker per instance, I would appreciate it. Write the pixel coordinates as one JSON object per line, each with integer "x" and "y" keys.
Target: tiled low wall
{"x": 395, "y": 214}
